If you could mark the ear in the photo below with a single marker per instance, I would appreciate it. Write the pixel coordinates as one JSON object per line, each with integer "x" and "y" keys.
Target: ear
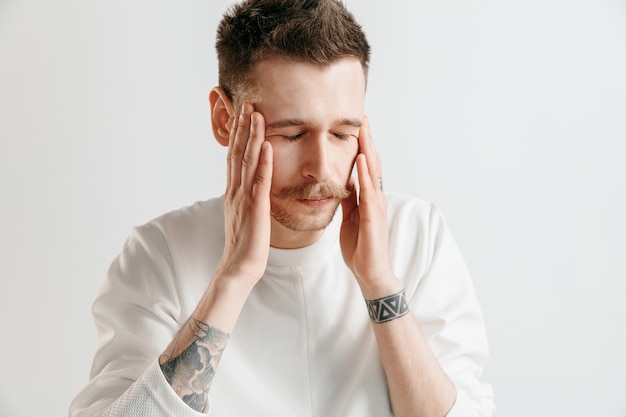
{"x": 222, "y": 115}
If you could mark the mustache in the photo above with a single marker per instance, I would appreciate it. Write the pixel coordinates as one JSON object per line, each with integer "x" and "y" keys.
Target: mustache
{"x": 309, "y": 190}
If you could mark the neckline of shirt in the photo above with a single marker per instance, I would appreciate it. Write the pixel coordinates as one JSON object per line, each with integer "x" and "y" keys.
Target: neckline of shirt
{"x": 311, "y": 254}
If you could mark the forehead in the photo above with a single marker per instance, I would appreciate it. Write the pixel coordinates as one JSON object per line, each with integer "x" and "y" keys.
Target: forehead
{"x": 284, "y": 88}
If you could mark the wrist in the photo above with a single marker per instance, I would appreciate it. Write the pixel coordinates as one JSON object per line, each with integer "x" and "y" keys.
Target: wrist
{"x": 388, "y": 308}
{"x": 235, "y": 277}
{"x": 381, "y": 287}
{"x": 223, "y": 301}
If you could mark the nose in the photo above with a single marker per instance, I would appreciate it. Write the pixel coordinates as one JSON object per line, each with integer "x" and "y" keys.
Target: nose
{"x": 316, "y": 163}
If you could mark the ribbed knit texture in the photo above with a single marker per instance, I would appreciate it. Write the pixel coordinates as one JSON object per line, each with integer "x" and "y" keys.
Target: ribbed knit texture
{"x": 303, "y": 345}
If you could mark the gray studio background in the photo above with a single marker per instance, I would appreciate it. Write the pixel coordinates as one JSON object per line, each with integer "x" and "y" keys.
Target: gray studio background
{"x": 510, "y": 115}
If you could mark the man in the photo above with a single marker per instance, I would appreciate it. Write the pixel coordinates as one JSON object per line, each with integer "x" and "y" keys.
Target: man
{"x": 308, "y": 310}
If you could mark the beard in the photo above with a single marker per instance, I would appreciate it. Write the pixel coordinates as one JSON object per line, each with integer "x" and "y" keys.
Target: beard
{"x": 288, "y": 211}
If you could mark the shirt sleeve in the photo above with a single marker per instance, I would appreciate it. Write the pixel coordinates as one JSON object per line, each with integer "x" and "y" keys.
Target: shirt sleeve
{"x": 136, "y": 315}
{"x": 445, "y": 304}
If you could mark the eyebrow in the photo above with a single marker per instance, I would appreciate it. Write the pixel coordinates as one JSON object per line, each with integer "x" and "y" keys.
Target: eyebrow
{"x": 300, "y": 122}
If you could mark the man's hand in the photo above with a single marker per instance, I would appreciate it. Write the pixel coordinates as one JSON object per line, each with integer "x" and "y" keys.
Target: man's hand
{"x": 418, "y": 386}
{"x": 247, "y": 199}
{"x": 364, "y": 231}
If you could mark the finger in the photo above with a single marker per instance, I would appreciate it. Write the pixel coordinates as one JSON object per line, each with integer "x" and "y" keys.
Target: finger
{"x": 237, "y": 145}
{"x": 348, "y": 205}
{"x": 232, "y": 123}
{"x": 366, "y": 145}
{"x": 365, "y": 180}
{"x": 251, "y": 156}
{"x": 262, "y": 182}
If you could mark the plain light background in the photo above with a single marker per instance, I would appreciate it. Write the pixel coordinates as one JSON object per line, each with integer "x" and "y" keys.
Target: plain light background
{"x": 510, "y": 115}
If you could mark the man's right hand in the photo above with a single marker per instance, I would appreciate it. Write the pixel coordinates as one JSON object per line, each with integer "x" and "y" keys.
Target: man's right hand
{"x": 247, "y": 199}
{"x": 247, "y": 227}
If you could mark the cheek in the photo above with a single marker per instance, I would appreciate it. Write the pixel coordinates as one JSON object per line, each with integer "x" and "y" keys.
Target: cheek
{"x": 346, "y": 157}
{"x": 279, "y": 149}
{"x": 283, "y": 154}
{"x": 285, "y": 164}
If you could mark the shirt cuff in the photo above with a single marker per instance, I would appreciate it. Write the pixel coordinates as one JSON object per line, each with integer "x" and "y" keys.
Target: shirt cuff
{"x": 152, "y": 395}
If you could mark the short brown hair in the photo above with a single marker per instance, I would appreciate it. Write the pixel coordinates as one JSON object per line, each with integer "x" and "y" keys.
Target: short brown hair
{"x": 314, "y": 31}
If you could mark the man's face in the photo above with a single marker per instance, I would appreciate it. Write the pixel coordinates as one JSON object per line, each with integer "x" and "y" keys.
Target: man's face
{"x": 312, "y": 117}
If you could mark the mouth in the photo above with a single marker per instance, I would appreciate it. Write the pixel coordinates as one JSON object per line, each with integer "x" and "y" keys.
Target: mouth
{"x": 315, "y": 201}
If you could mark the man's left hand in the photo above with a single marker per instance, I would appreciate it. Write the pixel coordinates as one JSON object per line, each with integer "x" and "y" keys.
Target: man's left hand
{"x": 364, "y": 231}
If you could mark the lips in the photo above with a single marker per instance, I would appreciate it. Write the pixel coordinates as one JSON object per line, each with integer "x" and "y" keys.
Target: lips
{"x": 316, "y": 201}
{"x": 316, "y": 198}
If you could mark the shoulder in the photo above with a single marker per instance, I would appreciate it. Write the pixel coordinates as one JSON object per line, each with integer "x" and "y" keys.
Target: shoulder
{"x": 187, "y": 220}
{"x": 416, "y": 228}
{"x": 174, "y": 249}
{"x": 198, "y": 211}
{"x": 180, "y": 233}
{"x": 398, "y": 201}
{"x": 405, "y": 210}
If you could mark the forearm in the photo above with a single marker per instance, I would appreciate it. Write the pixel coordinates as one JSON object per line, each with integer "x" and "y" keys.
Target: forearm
{"x": 190, "y": 361}
{"x": 418, "y": 386}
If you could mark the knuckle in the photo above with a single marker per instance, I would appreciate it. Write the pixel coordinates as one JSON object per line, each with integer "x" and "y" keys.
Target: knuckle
{"x": 241, "y": 123}
{"x": 234, "y": 153}
{"x": 259, "y": 178}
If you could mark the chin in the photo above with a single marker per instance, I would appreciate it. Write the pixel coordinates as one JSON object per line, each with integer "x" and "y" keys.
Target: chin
{"x": 310, "y": 221}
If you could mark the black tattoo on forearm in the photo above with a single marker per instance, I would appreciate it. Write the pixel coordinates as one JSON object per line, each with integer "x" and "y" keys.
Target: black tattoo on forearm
{"x": 387, "y": 308}
{"x": 190, "y": 370}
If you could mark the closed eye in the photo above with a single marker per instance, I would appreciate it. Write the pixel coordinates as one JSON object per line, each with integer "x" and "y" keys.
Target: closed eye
{"x": 292, "y": 137}
{"x": 342, "y": 136}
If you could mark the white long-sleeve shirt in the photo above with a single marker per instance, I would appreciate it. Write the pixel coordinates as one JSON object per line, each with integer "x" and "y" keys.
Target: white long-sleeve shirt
{"x": 303, "y": 344}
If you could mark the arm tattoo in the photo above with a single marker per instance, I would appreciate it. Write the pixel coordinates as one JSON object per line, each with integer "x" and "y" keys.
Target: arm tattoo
{"x": 382, "y": 310}
{"x": 189, "y": 364}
